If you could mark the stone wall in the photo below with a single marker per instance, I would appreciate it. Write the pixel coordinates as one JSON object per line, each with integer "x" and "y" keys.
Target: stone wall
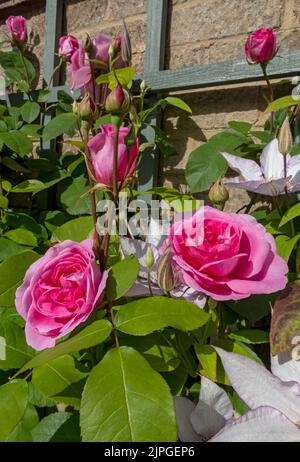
{"x": 199, "y": 32}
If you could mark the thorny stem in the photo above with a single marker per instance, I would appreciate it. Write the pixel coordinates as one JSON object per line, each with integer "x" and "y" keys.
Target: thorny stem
{"x": 26, "y": 72}
{"x": 149, "y": 282}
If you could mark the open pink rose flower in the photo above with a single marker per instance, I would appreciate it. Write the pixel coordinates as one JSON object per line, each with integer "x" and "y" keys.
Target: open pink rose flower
{"x": 225, "y": 255}
{"x": 102, "y": 152}
{"x": 60, "y": 290}
{"x": 260, "y": 46}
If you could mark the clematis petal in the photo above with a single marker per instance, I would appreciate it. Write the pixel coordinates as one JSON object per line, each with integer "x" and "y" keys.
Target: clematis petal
{"x": 216, "y": 397}
{"x": 271, "y": 161}
{"x": 183, "y": 408}
{"x": 293, "y": 168}
{"x": 286, "y": 368}
{"x": 258, "y": 387}
{"x": 265, "y": 188}
{"x": 264, "y": 424}
{"x": 249, "y": 169}
{"x": 212, "y": 411}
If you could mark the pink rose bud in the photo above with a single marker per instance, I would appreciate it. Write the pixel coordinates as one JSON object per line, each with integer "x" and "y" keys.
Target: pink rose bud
{"x": 115, "y": 100}
{"x": 260, "y": 46}
{"x": 126, "y": 51}
{"x": 17, "y": 28}
{"x": 102, "y": 152}
{"x": 59, "y": 292}
{"x": 68, "y": 44}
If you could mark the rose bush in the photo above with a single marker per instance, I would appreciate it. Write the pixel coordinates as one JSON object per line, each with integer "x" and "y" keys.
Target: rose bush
{"x": 132, "y": 300}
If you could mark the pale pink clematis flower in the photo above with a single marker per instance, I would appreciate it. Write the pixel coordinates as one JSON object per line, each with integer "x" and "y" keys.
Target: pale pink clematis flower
{"x": 274, "y": 401}
{"x": 267, "y": 178}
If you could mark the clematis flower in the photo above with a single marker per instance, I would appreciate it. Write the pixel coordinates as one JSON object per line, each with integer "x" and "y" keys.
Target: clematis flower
{"x": 274, "y": 401}
{"x": 267, "y": 178}
{"x": 273, "y": 397}
{"x": 139, "y": 248}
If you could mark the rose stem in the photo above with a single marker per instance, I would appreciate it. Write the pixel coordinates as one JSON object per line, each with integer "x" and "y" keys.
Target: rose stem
{"x": 271, "y": 93}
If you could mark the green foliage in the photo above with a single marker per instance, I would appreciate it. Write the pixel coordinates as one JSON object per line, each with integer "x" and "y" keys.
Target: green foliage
{"x": 117, "y": 391}
{"x": 121, "y": 277}
{"x": 144, "y": 316}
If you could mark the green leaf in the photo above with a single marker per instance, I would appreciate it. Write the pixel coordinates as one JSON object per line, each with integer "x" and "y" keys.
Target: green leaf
{"x": 14, "y": 351}
{"x": 285, "y": 245}
{"x": 12, "y": 272}
{"x": 121, "y": 277}
{"x": 13, "y": 165}
{"x": 17, "y": 142}
{"x": 262, "y": 135}
{"x": 30, "y": 111}
{"x": 146, "y": 315}
{"x": 74, "y": 199}
{"x": 13, "y": 403}
{"x": 6, "y": 185}
{"x": 254, "y": 307}
{"x": 14, "y": 68}
{"x": 283, "y": 102}
{"x": 54, "y": 219}
{"x": 9, "y": 248}
{"x": 206, "y": 165}
{"x": 63, "y": 123}
{"x": 36, "y": 186}
{"x": 156, "y": 348}
{"x": 37, "y": 398}
{"x": 22, "y": 236}
{"x": 285, "y": 322}
{"x": 3, "y": 202}
{"x": 44, "y": 95}
{"x": 69, "y": 431}
{"x": 33, "y": 130}
{"x": 49, "y": 425}
{"x": 76, "y": 230}
{"x": 125, "y": 400}
{"x": 124, "y": 77}
{"x": 22, "y": 432}
{"x": 56, "y": 375}
{"x": 290, "y": 214}
{"x": 241, "y": 127}
{"x": 251, "y": 336}
{"x": 92, "y": 335}
{"x": 179, "y": 103}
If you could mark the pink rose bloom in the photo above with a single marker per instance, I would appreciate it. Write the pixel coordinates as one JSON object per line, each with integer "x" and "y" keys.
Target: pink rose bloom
{"x": 260, "y": 46}
{"x": 17, "y": 28}
{"x": 60, "y": 290}
{"x": 68, "y": 44}
{"x": 102, "y": 152}
{"x": 226, "y": 255}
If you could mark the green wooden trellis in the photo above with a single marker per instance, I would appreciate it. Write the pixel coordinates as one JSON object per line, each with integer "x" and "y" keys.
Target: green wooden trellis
{"x": 159, "y": 79}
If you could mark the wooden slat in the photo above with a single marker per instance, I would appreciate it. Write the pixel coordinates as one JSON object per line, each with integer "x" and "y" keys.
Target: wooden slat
{"x": 228, "y": 72}
{"x": 53, "y": 30}
{"x": 156, "y": 35}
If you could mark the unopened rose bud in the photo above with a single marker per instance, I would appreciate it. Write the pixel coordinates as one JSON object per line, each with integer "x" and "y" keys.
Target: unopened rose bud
{"x": 126, "y": 50}
{"x": 166, "y": 278}
{"x": 68, "y": 44}
{"x": 85, "y": 109}
{"x": 285, "y": 137}
{"x": 115, "y": 47}
{"x": 149, "y": 260}
{"x": 218, "y": 193}
{"x": 260, "y": 46}
{"x": 117, "y": 101}
{"x": 17, "y": 28}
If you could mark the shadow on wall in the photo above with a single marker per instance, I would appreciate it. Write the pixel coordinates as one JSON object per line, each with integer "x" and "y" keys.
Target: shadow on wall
{"x": 211, "y": 112}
